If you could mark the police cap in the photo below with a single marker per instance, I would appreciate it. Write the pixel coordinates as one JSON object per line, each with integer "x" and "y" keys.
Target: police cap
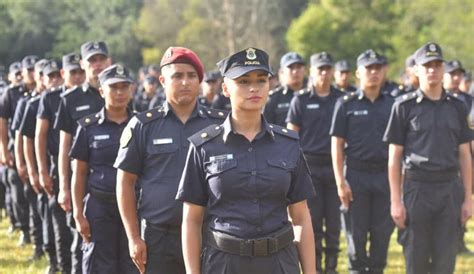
{"x": 14, "y": 68}
{"x": 50, "y": 67}
{"x": 453, "y": 65}
{"x": 342, "y": 65}
{"x": 370, "y": 57}
{"x": 92, "y": 48}
{"x": 114, "y": 74}
{"x": 212, "y": 76}
{"x": 180, "y": 55}
{"x": 29, "y": 61}
{"x": 291, "y": 58}
{"x": 244, "y": 61}
{"x": 427, "y": 53}
{"x": 71, "y": 61}
{"x": 321, "y": 59}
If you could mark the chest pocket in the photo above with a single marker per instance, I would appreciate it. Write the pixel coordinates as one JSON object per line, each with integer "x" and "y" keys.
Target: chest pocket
{"x": 279, "y": 176}
{"x": 219, "y": 166}
{"x": 104, "y": 151}
{"x": 281, "y": 164}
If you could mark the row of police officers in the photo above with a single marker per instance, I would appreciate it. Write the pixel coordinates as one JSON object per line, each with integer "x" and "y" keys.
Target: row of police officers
{"x": 256, "y": 184}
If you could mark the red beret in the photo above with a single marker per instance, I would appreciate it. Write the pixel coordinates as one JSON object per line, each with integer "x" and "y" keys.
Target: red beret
{"x": 175, "y": 55}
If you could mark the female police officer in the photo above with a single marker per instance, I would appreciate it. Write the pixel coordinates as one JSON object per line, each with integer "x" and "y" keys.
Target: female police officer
{"x": 247, "y": 173}
{"x": 105, "y": 248}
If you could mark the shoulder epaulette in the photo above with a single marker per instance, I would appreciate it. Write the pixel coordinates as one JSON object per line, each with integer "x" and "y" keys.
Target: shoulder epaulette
{"x": 275, "y": 90}
{"x": 89, "y": 120}
{"x": 455, "y": 96}
{"x": 69, "y": 91}
{"x": 215, "y": 113}
{"x": 284, "y": 131}
{"x": 150, "y": 115}
{"x": 304, "y": 91}
{"x": 406, "y": 97}
{"x": 36, "y": 98}
{"x": 349, "y": 96}
{"x": 205, "y": 135}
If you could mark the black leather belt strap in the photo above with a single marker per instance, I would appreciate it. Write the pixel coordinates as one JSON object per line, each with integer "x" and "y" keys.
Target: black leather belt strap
{"x": 367, "y": 166}
{"x": 318, "y": 159}
{"x": 446, "y": 176}
{"x": 252, "y": 247}
{"x": 104, "y": 196}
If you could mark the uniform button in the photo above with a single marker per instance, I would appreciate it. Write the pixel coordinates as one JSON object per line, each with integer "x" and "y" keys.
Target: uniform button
{"x": 255, "y": 200}
{"x": 283, "y": 163}
{"x": 259, "y": 229}
{"x": 250, "y": 149}
{"x": 254, "y": 173}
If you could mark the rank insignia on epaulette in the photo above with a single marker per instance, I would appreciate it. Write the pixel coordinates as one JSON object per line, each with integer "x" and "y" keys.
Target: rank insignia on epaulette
{"x": 87, "y": 120}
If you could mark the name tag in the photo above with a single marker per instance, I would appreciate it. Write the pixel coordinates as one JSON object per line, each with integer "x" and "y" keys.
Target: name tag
{"x": 221, "y": 157}
{"x": 283, "y": 105}
{"x": 101, "y": 137}
{"x": 312, "y": 106}
{"x": 82, "y": 108}
{"x": 361, "y": 112}
{"x": 162, "y": 141}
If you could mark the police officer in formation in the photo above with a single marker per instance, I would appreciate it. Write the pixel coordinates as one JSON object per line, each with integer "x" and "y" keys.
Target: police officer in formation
{"x": 292, "y": 79}
{"x": 342, "y": 76}
{"x": 310, "y": 115}
{"x": 248, "y": 175}
{"x": 94, "y": 151}
{"x": 45, "y": 123}
{"x": 358, "y": 125}
{"x": 429, "y": 134}
{"x": 152, "y": 153}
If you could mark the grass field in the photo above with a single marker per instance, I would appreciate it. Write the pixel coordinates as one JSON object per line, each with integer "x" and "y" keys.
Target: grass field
{"x": 13, "y": 260}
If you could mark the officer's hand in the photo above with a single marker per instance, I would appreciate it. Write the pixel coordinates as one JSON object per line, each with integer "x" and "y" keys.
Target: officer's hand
{"x": 82, "y": 226}
{"x": 34, "y": 182}
{"x": 64, "y": 199}
{"x": 466, "y": 211}
{"x": 22, "y": 173}
{"x": 7, "y": 159}
{"x": 399, "y": 214}
{"x": 46, "y": 183}
{"x": 137, "y": 248}
{"x": 345, "y": 194}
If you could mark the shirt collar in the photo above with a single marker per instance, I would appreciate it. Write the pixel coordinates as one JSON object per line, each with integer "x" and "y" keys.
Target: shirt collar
{"x": 266, "y": 129}
{"x": 360, "y": 95}
{"x": 421, "y": 95}
{"x": 102, "y": 117}
{"x": 198, "y": 110}
{"x": 313, "y": 93}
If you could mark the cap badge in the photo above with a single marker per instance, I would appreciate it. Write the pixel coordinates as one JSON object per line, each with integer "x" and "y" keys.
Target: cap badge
{"x": 119, "y": 70}
{"x": 455, "y": 63}
{"x": 372, "y": 55}
{"x": 54, "y": 65}
{"x": 95, "y": 45}
{"x": 432, "y": 47}
{"x": 251, "y": 54}
{"x": 169, "y": 53}
{"x": 77, "y": 58}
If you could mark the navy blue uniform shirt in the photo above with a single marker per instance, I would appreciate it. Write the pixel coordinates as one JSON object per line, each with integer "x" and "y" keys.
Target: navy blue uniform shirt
{"x": 48, "y": 110}
{"x": 278, "y": 104}
{"x": 246, "y": 186}
{"x": 350, "y": 88}
{"x": 28, "y": 123}
{"x": 20, "y": 111}
{"x": 8, "y": 104}
{"x": 221, "y": 102}
{"x": 313, "y": 115}
{"x": 430, "y": 131}
{"x": 76, "y": 103}
{"x": 154, "y": 147}
{"x": 362, "y": 124}
{"x": 97, "y": 142}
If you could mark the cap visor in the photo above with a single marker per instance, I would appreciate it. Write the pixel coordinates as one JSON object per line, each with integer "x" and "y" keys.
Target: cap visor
{"x": 95, "y": 52}
{"x": 72, "y": 67}
{"x": 239, "y": 71}
{"x": 112, "y": 81}
{"x": 429, "y": 59}
{"x": 289, "y": 63}
{"x": 322, "y": 64}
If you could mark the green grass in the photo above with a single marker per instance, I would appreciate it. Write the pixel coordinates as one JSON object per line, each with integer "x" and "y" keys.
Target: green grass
{"x": 13, "y": 259}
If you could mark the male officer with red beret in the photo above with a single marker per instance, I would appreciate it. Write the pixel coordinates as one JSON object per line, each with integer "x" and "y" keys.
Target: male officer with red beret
{"x": 152, "y": 153}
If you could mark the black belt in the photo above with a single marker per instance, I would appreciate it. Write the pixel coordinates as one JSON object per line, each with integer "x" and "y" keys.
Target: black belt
{"x": 252, "y": 247}
{"x": 367, "y": 166}
{"x": 164, "y": 227}
{"x": 104, "y": 196}
{"x": 318, "y": 159}
{"x": 431, "y": 176}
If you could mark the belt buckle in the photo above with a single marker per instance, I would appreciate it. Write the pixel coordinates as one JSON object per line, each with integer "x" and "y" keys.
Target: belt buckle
{"x": 260, "y": 247}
